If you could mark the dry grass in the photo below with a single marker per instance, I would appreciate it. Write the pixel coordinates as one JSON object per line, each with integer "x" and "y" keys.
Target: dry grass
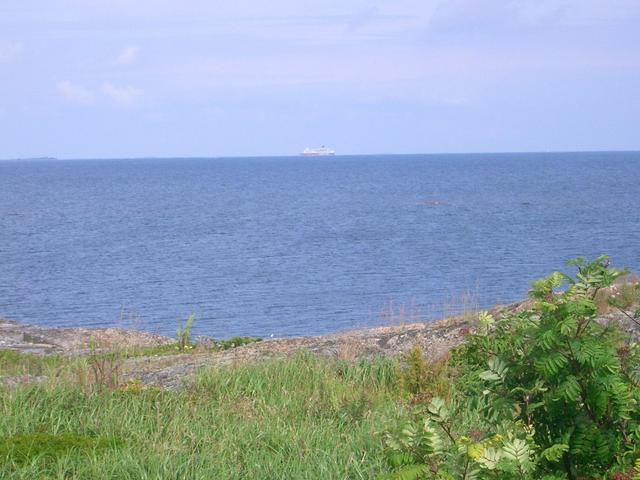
{"x": 349, "y": 350}
{"x": 624, "y": 293}
{"x": 101, "y": 373}
{"x": 464, "y": 307}
{"x": 400, "y": 314}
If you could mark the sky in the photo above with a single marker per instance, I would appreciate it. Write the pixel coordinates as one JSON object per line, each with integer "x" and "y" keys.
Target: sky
{"x": 167, "y": 78}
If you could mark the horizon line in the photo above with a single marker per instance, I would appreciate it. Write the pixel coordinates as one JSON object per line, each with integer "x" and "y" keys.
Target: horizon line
{"x": 296, "y": 155}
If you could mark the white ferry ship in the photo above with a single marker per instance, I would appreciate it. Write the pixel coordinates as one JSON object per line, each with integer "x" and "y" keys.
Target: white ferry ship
{"x": 317, "y": 152}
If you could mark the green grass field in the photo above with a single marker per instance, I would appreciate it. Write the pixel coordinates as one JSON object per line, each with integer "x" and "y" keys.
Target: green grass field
{"x": 283, "y": 419}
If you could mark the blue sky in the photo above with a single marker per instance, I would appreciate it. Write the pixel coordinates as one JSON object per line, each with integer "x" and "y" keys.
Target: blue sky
{"x": 129, "y": 78}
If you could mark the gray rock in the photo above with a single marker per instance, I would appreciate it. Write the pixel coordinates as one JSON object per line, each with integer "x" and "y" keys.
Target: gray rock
{"x": 49, "y": 340}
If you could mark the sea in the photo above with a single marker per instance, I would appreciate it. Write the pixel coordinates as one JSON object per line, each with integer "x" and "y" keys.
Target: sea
{"x": 293, "y": 246}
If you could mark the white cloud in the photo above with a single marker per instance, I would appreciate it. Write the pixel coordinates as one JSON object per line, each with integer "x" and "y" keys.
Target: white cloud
{"x": 10, "y": 50}
{"x": 108, "y": 94}
{"x": 128, "y": 55}
{"x": 125, "y": 96}
{"x": 76, "y": 94}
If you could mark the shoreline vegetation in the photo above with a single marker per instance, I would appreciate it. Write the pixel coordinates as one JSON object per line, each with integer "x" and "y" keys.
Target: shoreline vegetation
{"x": 471, "y": 397}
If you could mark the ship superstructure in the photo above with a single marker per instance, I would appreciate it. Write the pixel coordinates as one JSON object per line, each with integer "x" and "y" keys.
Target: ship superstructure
{"x": 318, "y": 152}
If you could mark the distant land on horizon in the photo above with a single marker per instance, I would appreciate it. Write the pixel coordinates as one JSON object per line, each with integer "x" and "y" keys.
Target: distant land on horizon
{"x": 34, "y": 158}
{"x": 156, "y": 157}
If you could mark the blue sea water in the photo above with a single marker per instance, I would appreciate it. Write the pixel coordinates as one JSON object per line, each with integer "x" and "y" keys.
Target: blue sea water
{"x": 298, "y": 246}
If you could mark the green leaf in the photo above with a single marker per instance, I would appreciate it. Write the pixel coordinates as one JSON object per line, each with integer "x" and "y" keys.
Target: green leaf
{"x": 548, "y": 340}
{"x": 518, "y": 452}
{"x": 569, "y": 390}
{"x": 409, "y": 472}
{"x": 551, "y": 364}
{"x": 555, "y": 452}
{"x": 438, "y": 409}
{"x": 497, "y": 370}
{"x": 490, "y": 458}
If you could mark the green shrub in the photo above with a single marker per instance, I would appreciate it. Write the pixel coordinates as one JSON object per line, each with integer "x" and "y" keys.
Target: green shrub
{"x": 423, "y": 379}
{"x": 548, "y": 393}
{"x": 415, "y": 373}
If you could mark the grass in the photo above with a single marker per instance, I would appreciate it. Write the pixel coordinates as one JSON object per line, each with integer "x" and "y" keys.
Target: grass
{"x": 22, "y": 449}
{"x": 18, "y": 363}
{"x": 302, "y": 417}
{"x": 625, "y": 294}
{"x": 203, "y": 344}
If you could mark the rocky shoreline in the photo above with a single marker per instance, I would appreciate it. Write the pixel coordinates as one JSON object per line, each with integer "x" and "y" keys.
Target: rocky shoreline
{"x": 169, "y": 370}
{"x": 436, "y": 338}
{"x": 69, "y": 341}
